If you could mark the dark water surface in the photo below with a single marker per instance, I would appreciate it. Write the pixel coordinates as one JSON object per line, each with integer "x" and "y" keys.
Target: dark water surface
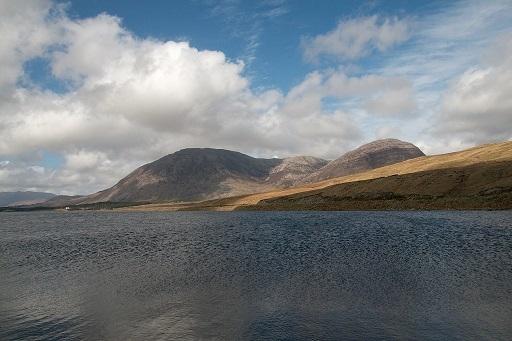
{"x": 256, "y": 276}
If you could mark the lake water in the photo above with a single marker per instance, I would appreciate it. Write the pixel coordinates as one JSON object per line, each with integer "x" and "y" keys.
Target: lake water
{"x": 256, "y": 276}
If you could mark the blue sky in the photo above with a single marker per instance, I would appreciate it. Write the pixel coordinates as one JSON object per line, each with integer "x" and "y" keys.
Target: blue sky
{"x": 92, "y": 89}
{"x": 277, "y": 27}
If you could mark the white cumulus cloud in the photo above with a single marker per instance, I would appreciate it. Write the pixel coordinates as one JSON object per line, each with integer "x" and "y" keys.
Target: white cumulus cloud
{"x": 128, "y": 100}
{"x": 477, "y": 107}
{"x": 131, "y": 100}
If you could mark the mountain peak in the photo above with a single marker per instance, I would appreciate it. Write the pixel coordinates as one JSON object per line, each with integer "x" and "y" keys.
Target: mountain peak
{"x": 371, "y": 155}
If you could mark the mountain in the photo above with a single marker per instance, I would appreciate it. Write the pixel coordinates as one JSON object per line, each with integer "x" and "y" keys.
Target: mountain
{"x": 196, "y": 174}
{"x": 369, "y": 156}
{"x": 476, "y": 178}
{"x": 191, "y": 174}
{"x": 205, "y": 173}
{"x": 23, "y": 198}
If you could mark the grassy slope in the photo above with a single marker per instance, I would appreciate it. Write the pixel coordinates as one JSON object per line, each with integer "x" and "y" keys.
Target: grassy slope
{"x": 479, "y": 177}
{"x": 480, "y": 186}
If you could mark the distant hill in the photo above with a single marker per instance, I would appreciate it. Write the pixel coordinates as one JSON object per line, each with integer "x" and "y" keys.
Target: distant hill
{"x": 369, "y": 156}
{"x": 23, "y": 198}
{"x": 63, "y": 200}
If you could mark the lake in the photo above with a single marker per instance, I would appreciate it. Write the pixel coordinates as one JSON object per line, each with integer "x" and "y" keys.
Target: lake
{"x": 256, "y": 276}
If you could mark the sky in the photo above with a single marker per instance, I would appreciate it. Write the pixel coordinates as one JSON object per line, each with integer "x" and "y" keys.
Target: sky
{"x": 90, "y": 89}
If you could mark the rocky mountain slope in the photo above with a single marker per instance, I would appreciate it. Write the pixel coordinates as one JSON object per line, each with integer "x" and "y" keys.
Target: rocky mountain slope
{"x": 191, "y": 174}
{"x": 293, "y": 170}
{"x": 369, "y": 156}
{"x": 205, "y": 173}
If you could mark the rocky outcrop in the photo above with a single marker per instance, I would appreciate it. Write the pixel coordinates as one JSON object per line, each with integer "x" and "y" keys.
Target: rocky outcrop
{"x": 294, "y": 169}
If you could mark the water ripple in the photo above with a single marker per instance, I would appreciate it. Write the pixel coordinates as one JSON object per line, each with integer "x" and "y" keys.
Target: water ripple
{"x": 256, "y": 276}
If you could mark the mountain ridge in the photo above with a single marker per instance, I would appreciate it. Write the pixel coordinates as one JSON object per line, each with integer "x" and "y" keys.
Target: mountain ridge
{"x": 475, "y": 178}
{"x": 198, "y": 174}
